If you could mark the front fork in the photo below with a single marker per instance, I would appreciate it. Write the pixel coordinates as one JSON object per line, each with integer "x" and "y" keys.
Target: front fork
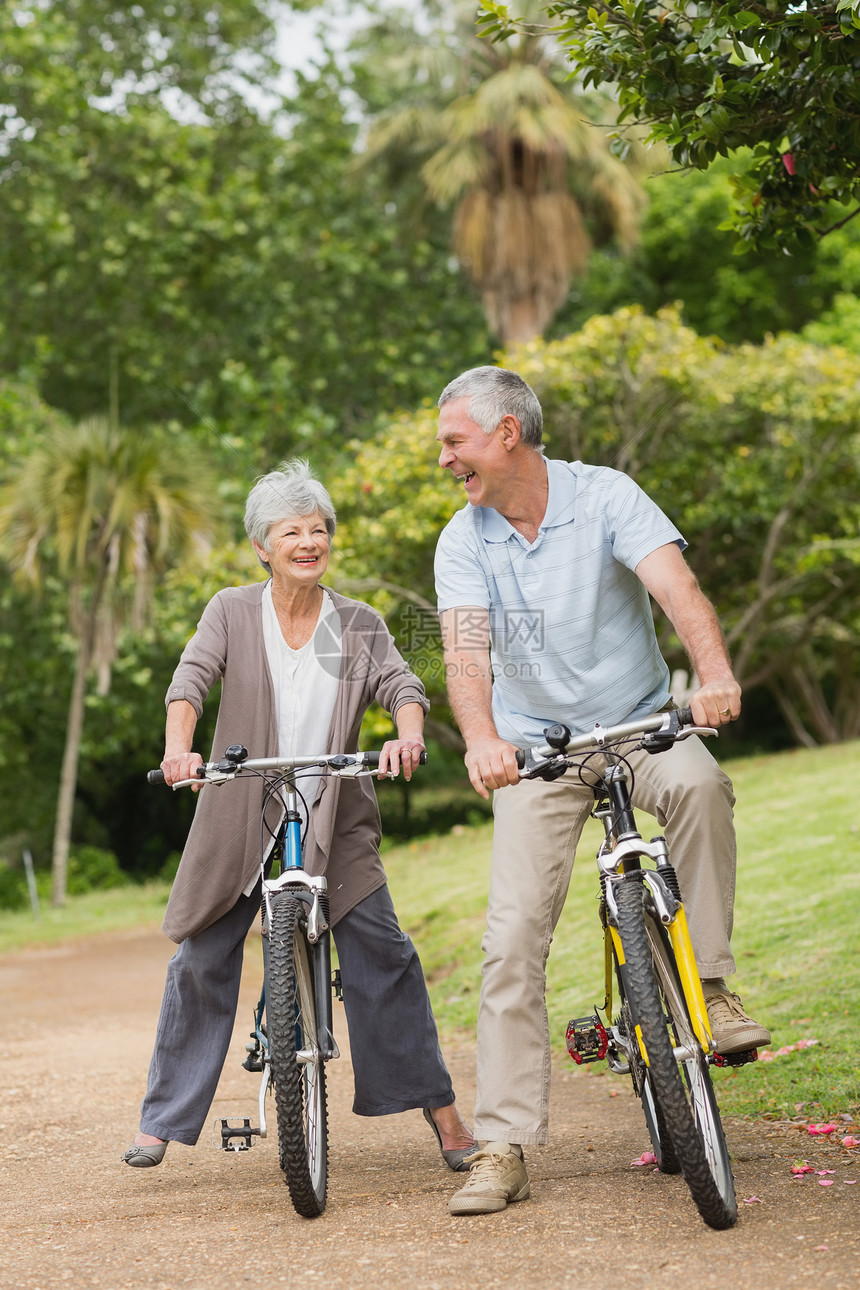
{"x": 623, "y": 864}
{"x": 312, "y": 892}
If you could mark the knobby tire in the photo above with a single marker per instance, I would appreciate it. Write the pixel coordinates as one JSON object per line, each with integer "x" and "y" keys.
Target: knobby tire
{"x": 297, "y": 1068}
{"x": 683, "y": 1095}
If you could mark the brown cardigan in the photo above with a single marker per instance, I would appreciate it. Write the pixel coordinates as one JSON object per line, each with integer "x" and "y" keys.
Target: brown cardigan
{"x": 222, "y": 853}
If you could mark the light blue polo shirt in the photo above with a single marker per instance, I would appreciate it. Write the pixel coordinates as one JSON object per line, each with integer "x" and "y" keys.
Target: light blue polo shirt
{"x": 571, "y": 631}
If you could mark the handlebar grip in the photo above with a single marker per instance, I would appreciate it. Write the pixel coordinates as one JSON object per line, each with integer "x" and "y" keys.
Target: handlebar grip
{"x": 521, "y": 758}
{"x": 373, "y": 759}
{"x": 685, "y": 717}
{"x": 155, "y": 777}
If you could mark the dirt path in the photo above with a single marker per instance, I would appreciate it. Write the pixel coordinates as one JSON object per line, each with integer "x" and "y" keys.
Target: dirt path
{"x": 78, "y": 1024}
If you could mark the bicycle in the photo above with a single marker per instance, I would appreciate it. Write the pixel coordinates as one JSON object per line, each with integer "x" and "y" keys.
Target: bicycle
{"x": 293, "y": 1038}
{"x": 660, "y": 1034}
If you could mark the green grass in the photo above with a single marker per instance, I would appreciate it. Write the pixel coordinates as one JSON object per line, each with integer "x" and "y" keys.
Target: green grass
{"x": 797, "y": 919}
{"x": 98, "y": 911}
{"x": 796, "y": 928}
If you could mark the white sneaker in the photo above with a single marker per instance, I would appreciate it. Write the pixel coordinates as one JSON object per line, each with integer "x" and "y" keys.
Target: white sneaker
{"x": 733, "y": 1030}
{"x": 497, "y": 1177}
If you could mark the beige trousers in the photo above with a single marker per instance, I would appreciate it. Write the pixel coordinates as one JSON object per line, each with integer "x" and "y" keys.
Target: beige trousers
{"x": 537, "y": 828}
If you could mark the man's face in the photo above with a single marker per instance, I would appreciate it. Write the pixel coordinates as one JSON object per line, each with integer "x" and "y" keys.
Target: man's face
{"x": 478, "y": 460}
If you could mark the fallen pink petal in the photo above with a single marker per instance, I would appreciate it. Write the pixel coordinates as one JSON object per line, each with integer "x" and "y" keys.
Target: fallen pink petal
{"x": 818, "y": 1248}
{"x": 802, "y": 1167}
{"x": 851, "y": 1142}
{"x": 815, "y": 1129}
{"x": 825, "y": 1182}
{"x": 822, "y": 1172}
{"x": 850, "y": 1182}
{"x": 751, "y": 1200}
{"x": 805, "y": 1043}
{"x": 647, "y": 1158}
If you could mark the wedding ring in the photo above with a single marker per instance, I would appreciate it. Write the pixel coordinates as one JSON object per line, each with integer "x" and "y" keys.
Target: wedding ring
{"x": 725, "y": 712}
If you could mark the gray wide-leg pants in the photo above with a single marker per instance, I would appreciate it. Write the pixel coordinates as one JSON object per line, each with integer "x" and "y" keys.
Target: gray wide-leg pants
{"x": 397, "y": 1063}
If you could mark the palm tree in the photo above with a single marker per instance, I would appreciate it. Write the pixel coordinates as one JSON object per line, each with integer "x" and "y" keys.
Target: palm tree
{"x": 499, "y": 134}
{"x": 108, "y": 508}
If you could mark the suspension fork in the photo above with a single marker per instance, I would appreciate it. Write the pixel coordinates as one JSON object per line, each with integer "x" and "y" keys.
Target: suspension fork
{"x": 625, "y": 845}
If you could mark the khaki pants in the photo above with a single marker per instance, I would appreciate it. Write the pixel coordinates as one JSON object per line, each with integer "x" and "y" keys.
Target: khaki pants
{"x": 537, "y": 828}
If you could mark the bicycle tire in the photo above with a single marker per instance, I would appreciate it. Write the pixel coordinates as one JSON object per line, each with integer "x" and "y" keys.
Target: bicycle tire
{"x": 296, "y": 1063}
{"x": 682, "y": 1086}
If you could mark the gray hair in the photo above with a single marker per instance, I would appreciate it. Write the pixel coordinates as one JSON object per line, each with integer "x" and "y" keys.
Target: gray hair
{"x": 285, "y": 494}
{"x": 494, "y": 393}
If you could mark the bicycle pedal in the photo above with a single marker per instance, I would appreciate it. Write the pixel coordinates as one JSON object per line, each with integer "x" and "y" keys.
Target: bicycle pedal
{"x": 230, "y": 1135}
{"x": 587, "y": 1040}
{"x": 735, "y": 1059}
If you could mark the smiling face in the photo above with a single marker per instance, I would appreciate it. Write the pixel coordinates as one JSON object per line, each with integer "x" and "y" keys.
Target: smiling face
{"x": 480, "y": 461}
{"x": 298, "y": 550}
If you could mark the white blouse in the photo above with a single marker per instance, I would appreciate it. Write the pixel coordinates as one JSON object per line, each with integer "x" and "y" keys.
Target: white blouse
{"x": 305, "y": 683}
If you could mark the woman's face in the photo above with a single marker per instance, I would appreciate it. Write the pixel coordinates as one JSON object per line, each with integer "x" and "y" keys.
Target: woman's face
{"x": 298, "y": 550}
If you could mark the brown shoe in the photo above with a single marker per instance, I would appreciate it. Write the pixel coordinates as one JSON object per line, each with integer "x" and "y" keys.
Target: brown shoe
{"x": 497, "y": 1177}
{"x": 733, "y": 1030}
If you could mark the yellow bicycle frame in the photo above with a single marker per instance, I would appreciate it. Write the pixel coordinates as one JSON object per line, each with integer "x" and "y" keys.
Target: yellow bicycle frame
{"x": 691, "y": 984}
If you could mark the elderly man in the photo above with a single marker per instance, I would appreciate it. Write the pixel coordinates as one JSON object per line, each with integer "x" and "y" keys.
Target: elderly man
{"x": 543, "y": 581}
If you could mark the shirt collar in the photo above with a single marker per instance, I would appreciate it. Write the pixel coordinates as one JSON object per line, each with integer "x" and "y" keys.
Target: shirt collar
{"x": 559, "y": 506}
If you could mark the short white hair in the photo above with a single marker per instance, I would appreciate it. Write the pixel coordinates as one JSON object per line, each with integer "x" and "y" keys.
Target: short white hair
{"x": 494, "y": 393}
{"x": 287, "y": 493}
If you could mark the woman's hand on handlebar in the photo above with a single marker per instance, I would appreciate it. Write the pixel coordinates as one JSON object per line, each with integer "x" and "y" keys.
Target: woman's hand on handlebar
{"x": 179, "y": 766}
{"x": 399, "y": 754}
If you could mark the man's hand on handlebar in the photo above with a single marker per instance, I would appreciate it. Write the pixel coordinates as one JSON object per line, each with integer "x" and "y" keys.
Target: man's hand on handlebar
{"x": 180, "y": 766}
{"x": 717, "y": 703}
{"x": 492, "y": 763}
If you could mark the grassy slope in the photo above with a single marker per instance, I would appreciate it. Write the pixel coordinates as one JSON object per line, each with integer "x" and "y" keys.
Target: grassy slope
{"x": 795, "y": 939}
{"x": 797, "y": 915}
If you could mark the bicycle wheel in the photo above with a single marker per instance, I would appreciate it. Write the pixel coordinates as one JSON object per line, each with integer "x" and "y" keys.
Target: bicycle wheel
{"x": 677, "y": 1071}
{"x": 297, "y": 1068}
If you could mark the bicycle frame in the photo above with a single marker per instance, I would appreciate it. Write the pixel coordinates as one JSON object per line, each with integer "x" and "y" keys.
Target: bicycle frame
{"x": 312, "y": 890}
{"x": 623, "y": 849}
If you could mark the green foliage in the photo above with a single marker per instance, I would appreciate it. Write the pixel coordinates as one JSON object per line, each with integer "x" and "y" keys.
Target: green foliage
{"x": 13, "y": 888}
{"x": 395, "y": 502}
{"x": 684, "y": 256}
{"x": 711, "y": 77}
{"x": 93, "y": 869}
{"x": 229, "y": 273}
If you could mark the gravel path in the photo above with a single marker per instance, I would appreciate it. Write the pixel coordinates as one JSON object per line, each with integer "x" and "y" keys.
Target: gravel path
{"x": 78, "y": 1024}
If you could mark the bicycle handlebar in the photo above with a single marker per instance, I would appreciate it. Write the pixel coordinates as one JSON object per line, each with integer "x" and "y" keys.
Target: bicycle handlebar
{"x": 337, "y": 763}
{"x": 560, "y": 742}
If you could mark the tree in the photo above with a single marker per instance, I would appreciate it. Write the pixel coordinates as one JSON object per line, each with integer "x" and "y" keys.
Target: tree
{"x": 685, "y": 254}
{"x": 715, "y": 76}
{"x": 234, "y": 266}
{"x": 499, "y": 135}
{"x": 108, "y": 508}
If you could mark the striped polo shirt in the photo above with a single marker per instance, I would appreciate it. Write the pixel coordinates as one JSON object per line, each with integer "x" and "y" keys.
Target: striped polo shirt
{"x": 571, "y": 631}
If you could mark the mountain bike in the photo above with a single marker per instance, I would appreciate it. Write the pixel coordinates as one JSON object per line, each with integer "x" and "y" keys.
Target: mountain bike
{"x": 292, "y": 1039}
{"x": 659, "y": 1032}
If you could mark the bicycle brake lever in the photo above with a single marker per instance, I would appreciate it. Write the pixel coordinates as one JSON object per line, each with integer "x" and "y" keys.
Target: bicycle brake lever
{"x": 214, "y": 777}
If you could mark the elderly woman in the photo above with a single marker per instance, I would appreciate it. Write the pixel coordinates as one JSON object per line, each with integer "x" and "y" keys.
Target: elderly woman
{"x": 299, "y": 666}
